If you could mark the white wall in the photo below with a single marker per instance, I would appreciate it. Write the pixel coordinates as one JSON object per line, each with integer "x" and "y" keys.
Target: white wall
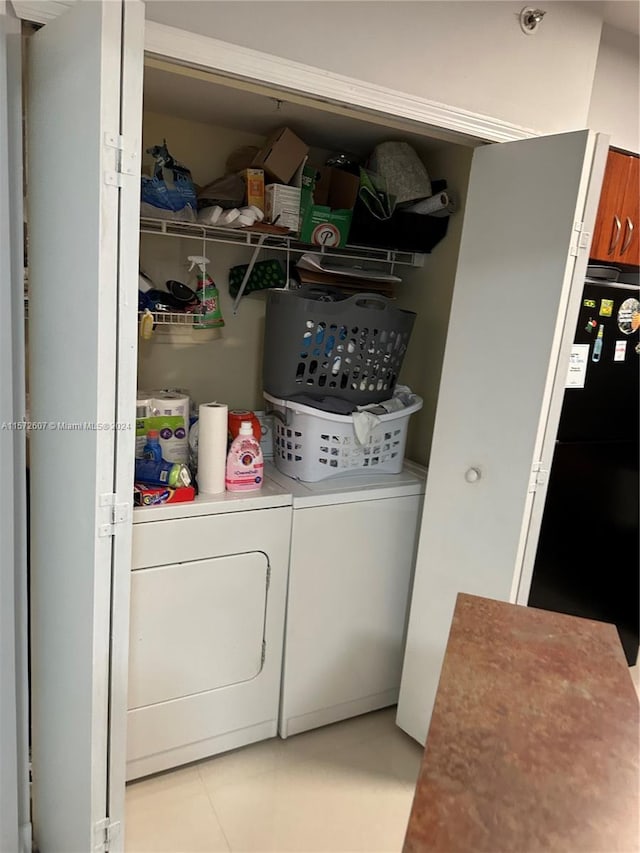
{"x": 614, "y": 101}
{"x": 428, "y": 292}
{"x": 467, "y": 54}
{"x": 227, "y": 368}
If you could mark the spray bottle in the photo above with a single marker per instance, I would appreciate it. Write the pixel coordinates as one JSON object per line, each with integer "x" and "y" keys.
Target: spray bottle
{"x": 210, "y": 316}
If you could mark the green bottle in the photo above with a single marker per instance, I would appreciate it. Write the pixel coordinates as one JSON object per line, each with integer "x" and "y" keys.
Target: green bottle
{"x": 210, "y": 315}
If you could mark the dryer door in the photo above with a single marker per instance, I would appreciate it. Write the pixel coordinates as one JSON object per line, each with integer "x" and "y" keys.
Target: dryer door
{"x": 196, "y": 626}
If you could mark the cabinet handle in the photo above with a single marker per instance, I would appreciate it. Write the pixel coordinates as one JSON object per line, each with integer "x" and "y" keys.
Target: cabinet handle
{"x": 614, "y": 240}
{"x": 625, "y": 245}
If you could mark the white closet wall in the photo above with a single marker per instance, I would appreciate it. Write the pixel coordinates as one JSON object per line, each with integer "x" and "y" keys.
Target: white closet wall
{"x": 428, "y": 291}
{"x": 229, "y": 368}
{"x": 614, "y": 99}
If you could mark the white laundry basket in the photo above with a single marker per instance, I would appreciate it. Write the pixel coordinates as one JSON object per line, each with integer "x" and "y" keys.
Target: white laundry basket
{"x": 311, "y": 445}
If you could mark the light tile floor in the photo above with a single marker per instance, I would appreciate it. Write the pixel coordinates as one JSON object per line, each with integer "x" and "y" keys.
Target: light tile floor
{"x": 345, "y": 787}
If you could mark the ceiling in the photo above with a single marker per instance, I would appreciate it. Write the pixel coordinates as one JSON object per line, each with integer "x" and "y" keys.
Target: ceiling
{"x": 621, "y": 14}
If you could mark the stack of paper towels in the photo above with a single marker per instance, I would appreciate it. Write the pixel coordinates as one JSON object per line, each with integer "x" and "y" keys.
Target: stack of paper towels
{"x": 166, "y": 410}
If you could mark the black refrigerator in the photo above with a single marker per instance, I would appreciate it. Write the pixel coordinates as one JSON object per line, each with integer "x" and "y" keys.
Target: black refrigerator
{"x": 587, "y": 562}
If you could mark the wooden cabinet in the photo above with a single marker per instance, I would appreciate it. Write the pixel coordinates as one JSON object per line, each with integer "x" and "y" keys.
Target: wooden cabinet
{"x": 615, "y": 238}
{"x": 630, "y": 246}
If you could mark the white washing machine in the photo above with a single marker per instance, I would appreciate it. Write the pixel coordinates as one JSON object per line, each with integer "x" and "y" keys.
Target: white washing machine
{"x": 353, "y": 548}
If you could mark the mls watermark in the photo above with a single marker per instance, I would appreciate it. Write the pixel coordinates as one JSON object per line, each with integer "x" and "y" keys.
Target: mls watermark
{"x": 65, "y": 426}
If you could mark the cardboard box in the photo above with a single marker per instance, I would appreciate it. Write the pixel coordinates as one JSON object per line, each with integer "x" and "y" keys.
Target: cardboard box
{"x": 254, "y": 180}
{"x": 282, "y": 206}
{"x": 326, "y": 205}
{"x": 281, "y": 155}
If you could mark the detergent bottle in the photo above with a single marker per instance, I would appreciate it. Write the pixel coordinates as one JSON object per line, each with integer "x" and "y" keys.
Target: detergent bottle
{"x": 210, "y": 315}
{"x": 245, "y": 465}
{"x": 153, "y": 472}
{"x": 152, "y": 450}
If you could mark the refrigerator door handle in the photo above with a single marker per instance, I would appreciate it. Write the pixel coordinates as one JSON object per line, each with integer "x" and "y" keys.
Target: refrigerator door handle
{"x": 616, "y": 236}
{"x": 627, "y": 240}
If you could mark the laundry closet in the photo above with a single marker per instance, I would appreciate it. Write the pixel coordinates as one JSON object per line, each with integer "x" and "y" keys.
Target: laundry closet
{"x": 131, "y": 586}
{"x": 205, "y": 662}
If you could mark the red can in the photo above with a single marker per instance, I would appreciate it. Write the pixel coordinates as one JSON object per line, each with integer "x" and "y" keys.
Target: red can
{"x": 238, "y": 416}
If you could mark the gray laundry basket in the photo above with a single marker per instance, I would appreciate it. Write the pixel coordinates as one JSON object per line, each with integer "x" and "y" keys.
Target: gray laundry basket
{"x": 352, "y": 348}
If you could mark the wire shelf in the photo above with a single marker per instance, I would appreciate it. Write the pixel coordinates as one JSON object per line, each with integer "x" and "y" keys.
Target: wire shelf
{"x": 167, "y": 318}
{"x": 279, "y": 242}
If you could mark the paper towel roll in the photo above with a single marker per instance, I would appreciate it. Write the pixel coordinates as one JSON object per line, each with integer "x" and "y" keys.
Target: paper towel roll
{"x": 446, "y": 211}
{"x": 433, "y": 205}
{"x": 212, "y": 447}
{"x": 144, "y": 403}
{"x": 170, "y": 401}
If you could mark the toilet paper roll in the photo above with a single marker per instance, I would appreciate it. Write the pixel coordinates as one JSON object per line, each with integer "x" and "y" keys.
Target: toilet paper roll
{"x": 212, "y": 447}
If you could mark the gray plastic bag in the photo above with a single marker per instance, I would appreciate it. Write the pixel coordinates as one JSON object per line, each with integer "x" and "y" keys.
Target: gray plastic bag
{"x": 396, "y": 177}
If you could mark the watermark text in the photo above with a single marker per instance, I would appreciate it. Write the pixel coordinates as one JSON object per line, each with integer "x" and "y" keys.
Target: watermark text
{"x": 65, "y": 426}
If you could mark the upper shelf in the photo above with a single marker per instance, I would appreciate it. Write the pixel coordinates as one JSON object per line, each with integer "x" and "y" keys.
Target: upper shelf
{"x": 279, "y": 242}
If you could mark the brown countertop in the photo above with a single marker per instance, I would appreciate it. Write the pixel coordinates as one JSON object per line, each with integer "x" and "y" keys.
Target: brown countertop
{"x": 533, "y": 744}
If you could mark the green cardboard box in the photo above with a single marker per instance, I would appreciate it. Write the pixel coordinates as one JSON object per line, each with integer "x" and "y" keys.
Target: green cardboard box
{"x": 326, "y": 205}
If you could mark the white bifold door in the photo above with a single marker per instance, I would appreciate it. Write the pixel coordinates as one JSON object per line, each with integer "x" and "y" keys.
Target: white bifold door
{"x": 14, "y": 743}
{"x": 530, "y": 212}
{"x": 83, "y": 139}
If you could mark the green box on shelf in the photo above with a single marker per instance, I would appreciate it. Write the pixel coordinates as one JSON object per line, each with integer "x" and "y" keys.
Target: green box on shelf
{"x": 326, "y": 205}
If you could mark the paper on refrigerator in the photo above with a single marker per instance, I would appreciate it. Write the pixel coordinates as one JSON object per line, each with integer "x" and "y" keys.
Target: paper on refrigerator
{"x": 578, "y": 361}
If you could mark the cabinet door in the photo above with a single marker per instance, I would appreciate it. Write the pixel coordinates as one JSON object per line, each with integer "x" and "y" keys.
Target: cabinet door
{"x": 349, "y": 579}
{"x": 629, "y": 251}
{"x": 83, "y": 280}
{"x": 608, "y": 232}
{"x": 517, "y": 293}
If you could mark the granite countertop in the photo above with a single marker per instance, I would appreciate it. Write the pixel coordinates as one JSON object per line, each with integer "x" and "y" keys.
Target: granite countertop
{"x": 533, "y": 744}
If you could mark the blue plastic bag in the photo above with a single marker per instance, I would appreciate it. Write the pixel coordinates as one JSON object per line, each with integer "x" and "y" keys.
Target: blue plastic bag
{"x": 170, "y": 193}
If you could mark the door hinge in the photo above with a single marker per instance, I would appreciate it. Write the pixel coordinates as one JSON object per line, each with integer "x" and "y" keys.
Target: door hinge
{"x": 539, "y": 477}
{"x": 264, "y": 653}
{"x": 119, "y": 513}
{"x": 105, "y": 834}
{"x": 581, "y": 241}
{"x": 268, "y": 577}
{"x": 126, "y": 159}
